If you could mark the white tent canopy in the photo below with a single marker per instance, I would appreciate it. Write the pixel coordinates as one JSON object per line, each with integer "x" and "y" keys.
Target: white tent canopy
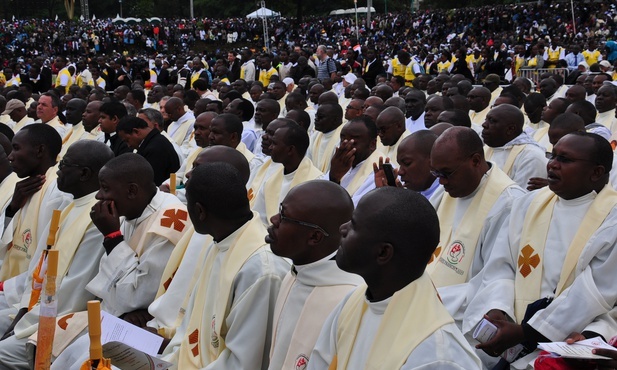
{"x": 351, "y": 11}
{"x": 263, "y": 13}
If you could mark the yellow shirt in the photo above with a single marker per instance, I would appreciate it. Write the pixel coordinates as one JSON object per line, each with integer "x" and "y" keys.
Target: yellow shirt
{"x": 591, "y": 57}
{"x": 264, "y": 76}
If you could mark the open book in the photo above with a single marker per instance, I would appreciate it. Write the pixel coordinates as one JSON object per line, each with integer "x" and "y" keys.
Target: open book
{"x": 578, "y": 350}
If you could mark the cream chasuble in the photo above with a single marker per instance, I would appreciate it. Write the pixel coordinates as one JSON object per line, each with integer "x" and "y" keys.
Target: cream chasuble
{"x": 205, "y": 335}
{"x": 322, "y": 147}
{"x": 451, "y": 261}
{"x": 528, "y": 278}
{"x": 26, "y": 231}
{"x": 414, "y": 309}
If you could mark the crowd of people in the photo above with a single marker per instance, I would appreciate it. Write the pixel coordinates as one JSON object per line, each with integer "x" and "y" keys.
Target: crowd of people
{"x": 435, "y": 192}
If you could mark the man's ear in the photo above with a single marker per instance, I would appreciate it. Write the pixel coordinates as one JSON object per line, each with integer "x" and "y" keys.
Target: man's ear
{"x": 385, "y": 253}
{"x": 132, "y": 190}
{"x": 201, "y": 212}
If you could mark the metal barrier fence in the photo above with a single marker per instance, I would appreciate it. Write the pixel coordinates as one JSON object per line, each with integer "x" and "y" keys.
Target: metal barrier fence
{"x": 534, "y": 74}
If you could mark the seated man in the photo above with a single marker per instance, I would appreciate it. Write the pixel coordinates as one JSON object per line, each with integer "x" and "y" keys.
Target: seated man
{"x": 391, "y": 128}
{"x": 179, "y": 277}
{"x": 288, "y": 147}
{"x": 472, "y": 205}
{"x": 352, "y": 163}
{"x": 78, "y": 241}
{"x": 137, "y": 248}
{"x": 554, "y": 274}
{"x": 315, "y": 284}
{"x": 511, "y": 149}
{"x": 396, "y": 320}
{"x": 35, "y": 148}
{"x": 226, "y": 325}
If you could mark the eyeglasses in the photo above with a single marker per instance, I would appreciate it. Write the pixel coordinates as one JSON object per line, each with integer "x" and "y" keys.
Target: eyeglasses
{"x": 63, "y": 164}
{"x": 307, "y": 224}
{"x": 445, "y": 175}
{"x": 563, "y": 159}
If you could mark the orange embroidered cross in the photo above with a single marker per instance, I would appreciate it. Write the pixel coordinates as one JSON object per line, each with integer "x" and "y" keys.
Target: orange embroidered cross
{"x": 194, "y": 339}
{"x": 174, "y": 217}
{"x": 63, "y": 322}
{"x": 527, "y": 259}
{"x": 168, "y": 281}
{"x": 250, "y": 194}
{"x": 435, "y": 255}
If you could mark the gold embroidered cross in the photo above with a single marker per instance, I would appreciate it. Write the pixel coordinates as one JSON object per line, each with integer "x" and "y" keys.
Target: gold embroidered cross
{"x": 174, "y": 217}
{"x": 527, "y": 259}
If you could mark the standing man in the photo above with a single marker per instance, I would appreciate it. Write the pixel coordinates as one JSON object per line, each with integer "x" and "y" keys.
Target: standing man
{"x": 326, "y": 66}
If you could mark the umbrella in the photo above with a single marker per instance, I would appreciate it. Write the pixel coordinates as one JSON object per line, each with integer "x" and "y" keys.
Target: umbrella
{"x": 96, "y": 361}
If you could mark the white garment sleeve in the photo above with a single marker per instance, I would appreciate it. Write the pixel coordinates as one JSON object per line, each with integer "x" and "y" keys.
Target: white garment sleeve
{"x": 325, "y": 347}
{"x": 531, "y": 162}
{"x": 127, "y": 282}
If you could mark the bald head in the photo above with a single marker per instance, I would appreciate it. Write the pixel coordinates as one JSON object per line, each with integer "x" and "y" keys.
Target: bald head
{"x": 479, "y": 98}
{"x": 225, "y": 154}
{"x": 327, "y": 98}
{"x": 317, "y": 202}
{"x": 439, "y": 128}
{"x": 403, "y": 219}
{"x": 391, "y": 125}
{"x": 576, "y": 93}
{"x": 564, "y": 124}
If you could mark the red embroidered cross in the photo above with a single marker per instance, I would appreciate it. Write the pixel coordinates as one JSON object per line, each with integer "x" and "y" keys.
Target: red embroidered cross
{"x": 194, "y": 339}
{"x": 174, "y": 217}
{"x": 62, "y": 323}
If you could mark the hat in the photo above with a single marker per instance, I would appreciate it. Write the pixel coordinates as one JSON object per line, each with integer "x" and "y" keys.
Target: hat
{"x": 492, "y": 78}
{"x": 288, "y": 81}
{"x": 350, "y": 78}
{"x": 605, "y": 63}
{"x": 12, "y": 105}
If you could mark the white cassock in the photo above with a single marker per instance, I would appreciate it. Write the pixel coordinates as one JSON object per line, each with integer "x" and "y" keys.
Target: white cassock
{"x": 530, "y": 161}
{"x": 180, "y": 131}
{"x": 308, "y": 294}
{"x": 249, "y": 310}
{"x": 127, "y": 282}
{"x": 360, "y": 179}
{"x": 608, "y": 120}
{"x": 446, "y": 348}
{"x": 591, "y": 294}
{"x": 165, "y": 309}
{"x": 455, "y": 297}
{"x": 415, "y": 125}
{"x": 71, "y": 293}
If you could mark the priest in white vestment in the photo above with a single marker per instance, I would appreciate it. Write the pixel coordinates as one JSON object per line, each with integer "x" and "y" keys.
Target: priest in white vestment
{"x": 511, "y": 149}
{"x": 352, "y": 163}
{"x": 307, "y": 230}
{"x": 557, "y": 256}
{"x": 328, "y": 126}
{"x": 79, "y": 243}
{"x": 227, "y": 317}
{"x": 288, "y": 147}
{"x": 395, "y": 320}
{"x": 391, "y": 129}
{"x": 472, "y": 206}
{"x": 136, "y": 249}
